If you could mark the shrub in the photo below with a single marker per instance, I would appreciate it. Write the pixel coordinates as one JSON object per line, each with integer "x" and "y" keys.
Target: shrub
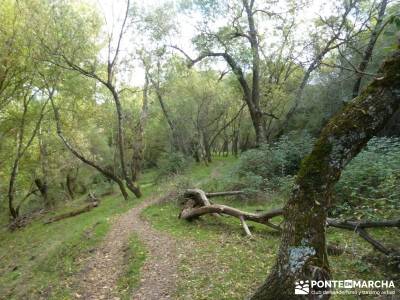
{"x": 173, "y": 163}
{"x": 271, "y": 167}
{"x": 370, "y": 185}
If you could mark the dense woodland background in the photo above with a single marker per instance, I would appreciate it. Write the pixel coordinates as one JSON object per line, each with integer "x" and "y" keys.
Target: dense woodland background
{"x": 127, "y": 108}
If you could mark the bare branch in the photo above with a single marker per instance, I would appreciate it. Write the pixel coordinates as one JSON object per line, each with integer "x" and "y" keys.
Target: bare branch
{"x": 349, "y": 69}
{"x": 111, "y": 64}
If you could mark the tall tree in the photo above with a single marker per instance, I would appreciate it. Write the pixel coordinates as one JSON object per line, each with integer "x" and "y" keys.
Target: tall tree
{"x": 221, "y": 44}
{"x": 69, "y": 59}
{"x": 302, "y": 253}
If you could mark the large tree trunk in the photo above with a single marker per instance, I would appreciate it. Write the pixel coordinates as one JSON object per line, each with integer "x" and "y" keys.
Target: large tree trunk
{"x": 302, "y": 253}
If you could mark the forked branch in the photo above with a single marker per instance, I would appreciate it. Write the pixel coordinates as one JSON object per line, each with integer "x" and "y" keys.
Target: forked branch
{"x": 196, "y": 204}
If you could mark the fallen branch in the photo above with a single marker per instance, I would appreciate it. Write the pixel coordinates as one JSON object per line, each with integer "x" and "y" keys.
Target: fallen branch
{"x": 362, "y": 224}
{"x": 201, "y": 206}
{"x": 196, "y": 204}
{"x": 359, "y": 228}
{"x": 73, "y": 213}
{"x": 230, "y": 193}
{"x": 245, "y": 227}
{"x": 377, "y": 245}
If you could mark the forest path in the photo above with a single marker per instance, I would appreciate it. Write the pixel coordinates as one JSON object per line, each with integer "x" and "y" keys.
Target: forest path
{"x": 99, "y": 278}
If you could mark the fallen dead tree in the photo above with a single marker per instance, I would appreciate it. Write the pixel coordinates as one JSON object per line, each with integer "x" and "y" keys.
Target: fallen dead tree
{"x": 94, "y": 202}
{"x": 359, "y": 228}
{"x": 196, "y": 204}
{"x": 73, "y": 213}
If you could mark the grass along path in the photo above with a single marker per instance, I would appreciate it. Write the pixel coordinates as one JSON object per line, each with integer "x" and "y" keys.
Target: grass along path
{"x": 39, "y": 261}
{"x": 99, "y": 279}
{"x": 46, "y": 261}
{"x": 42, "y": 261}
{"x": 160, "y": 271}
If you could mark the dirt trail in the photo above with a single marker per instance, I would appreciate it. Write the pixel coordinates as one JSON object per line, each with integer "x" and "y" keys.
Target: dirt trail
{"x": 158, "y": 275}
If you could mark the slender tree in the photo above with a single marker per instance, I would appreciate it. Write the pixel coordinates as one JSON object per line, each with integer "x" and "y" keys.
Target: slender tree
{"x": 22, "y": 145}
{"x": 60, "y": 58}
{"x": 335, "y": 40}
{"x": 362, "y": 67}
{"x": 138, "y": 142}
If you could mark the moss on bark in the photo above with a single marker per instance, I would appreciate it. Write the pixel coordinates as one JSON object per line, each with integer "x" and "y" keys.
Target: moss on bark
{"x": 302, "y": 253}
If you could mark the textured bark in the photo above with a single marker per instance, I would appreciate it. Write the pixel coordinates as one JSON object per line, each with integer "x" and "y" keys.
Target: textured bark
{"x": 302, "y": 253}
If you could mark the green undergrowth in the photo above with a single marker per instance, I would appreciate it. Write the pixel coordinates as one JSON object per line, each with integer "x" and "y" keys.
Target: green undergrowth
{"x": 134, "y": 257}
{"x": 38, "y": 261}
{"x": 219, "y": 262}
{"x": 222, "y": 263}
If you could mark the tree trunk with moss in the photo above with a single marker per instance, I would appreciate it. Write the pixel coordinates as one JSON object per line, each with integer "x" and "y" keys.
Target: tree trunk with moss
{"x": 302, "y": 253}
